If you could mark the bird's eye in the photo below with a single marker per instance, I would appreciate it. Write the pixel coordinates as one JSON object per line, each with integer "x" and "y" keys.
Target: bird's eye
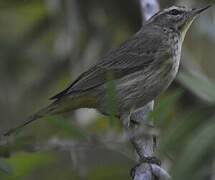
{"x": 175, "y": 12}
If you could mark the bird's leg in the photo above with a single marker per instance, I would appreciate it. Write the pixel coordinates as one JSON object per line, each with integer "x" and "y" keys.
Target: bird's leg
{"x": 141, "y": 115}
{"x": 137, "y": 129}
{"x": 138, "y": 117}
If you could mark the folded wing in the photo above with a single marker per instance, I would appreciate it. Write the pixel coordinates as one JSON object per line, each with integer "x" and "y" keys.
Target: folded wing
{"x": 131, "y": 56}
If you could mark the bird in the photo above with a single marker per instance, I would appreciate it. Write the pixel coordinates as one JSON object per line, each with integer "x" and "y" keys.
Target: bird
{"x": 138, "y": 70}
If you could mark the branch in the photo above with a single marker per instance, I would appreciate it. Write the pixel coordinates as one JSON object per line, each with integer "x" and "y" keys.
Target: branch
{"x": 145, "y": 144}
{"x": 149, "y": 8}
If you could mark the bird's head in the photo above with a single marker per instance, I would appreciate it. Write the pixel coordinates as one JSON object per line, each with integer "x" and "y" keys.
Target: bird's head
{"x": 177, "y": 17}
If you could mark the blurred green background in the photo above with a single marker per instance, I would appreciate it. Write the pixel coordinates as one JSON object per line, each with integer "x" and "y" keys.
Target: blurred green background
{"x": 45, "y": 44}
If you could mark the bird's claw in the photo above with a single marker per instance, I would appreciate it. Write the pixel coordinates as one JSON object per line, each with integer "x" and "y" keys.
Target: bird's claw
{"x": 148, "y": 160}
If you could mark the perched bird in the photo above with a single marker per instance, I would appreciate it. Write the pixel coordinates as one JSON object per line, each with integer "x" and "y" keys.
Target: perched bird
{"x": 140, "y": 68}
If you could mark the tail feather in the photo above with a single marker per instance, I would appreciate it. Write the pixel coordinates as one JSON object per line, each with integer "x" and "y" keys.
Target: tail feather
{"x": 43, "y": 112}
{"x": 60, "y": 106}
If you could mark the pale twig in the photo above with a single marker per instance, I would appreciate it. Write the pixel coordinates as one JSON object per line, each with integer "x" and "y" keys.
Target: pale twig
{"x": 145, "y": 144}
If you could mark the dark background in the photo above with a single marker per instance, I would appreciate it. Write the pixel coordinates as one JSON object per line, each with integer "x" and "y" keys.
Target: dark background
{"x": 45, "y": 44}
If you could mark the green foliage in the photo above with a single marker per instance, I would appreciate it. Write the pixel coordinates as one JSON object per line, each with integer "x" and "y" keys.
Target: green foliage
{"x": 165, "y": 107}
{"x": 67, "y": 127}
{"x": 21, "y": 142}
{"x": 111, "y": 100}
{"x": 24, "y": 163}
{"x": 108, "y": 172}
{"x": 197, "y": 154}
{"x": 200, "y": 86}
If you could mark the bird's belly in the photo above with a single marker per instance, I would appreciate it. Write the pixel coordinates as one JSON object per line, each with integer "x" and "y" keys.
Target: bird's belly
{"x": 141, "y": 87}
{"x": 137, "y": 89}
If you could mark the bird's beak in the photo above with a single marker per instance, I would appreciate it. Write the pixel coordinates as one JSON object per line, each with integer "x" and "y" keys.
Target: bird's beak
{"x": 197, "y": 11}
{"x": 192, "y": 14}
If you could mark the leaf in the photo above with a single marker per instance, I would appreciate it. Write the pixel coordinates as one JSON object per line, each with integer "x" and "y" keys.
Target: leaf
{"x": 201, "y": 87}
{"x": 112, "y": 100}
{"x": 181, "y": 128}
{"x": 164, "y": 107}
{"x": 197, "y": 154}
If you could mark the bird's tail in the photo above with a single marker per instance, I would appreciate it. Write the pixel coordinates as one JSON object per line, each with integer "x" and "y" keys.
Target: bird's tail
{"x": 57, "y": 107}
{"x": 41, "y": 113}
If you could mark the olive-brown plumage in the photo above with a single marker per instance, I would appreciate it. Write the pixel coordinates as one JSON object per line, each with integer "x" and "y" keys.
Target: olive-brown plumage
{"x": 140, "y": 68}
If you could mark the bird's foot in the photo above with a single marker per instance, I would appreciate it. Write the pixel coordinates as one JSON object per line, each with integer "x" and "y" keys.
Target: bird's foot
{"x": 148, "y": 160}
{"x": 151, "y": 160}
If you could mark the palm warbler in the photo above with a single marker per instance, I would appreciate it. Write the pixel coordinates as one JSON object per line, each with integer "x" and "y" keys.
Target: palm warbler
{"x": 140, "y": 68}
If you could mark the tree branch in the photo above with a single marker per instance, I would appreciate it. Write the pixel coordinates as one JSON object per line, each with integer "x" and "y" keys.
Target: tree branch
{"x": 145, "y": 144}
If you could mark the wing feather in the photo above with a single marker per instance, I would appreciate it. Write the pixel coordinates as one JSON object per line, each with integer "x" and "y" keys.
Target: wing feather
{"x": 131, "y": 56}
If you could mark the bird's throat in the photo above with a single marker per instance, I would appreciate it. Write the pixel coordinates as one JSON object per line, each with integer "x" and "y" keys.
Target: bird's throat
{"x": 185, "y": 28}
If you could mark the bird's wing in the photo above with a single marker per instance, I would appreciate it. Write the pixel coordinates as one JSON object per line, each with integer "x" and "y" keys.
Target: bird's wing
{"x": 129, "y": 57}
